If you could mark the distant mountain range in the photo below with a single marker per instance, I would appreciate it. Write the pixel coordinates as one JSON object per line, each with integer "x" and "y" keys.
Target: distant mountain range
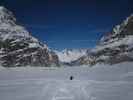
{"x": 67, "y": 56}
{"x": 19, "y": 48}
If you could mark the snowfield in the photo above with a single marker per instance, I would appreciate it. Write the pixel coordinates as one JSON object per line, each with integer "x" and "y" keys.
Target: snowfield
{"x": 101, "y": 82}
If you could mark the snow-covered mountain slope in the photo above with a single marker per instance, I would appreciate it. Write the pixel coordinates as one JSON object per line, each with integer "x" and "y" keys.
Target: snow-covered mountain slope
{"x": 69, "y": 55}
{"x": 117, "y": 46}
{"x": 114, "y": 47}
{"x": 18, "y": 47}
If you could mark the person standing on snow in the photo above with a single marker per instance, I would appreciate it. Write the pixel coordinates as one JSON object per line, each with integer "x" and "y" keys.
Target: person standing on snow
{"x": 71, "y": 77}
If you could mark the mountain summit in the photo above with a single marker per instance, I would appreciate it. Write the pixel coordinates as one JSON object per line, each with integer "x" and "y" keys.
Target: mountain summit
{"x": 6, "y": 16}
{"x": 18, "y": 47}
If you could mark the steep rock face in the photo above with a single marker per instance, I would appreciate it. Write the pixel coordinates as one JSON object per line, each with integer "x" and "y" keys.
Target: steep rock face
{"x": 18, "y": 47}
{"x": 116, "y": 46}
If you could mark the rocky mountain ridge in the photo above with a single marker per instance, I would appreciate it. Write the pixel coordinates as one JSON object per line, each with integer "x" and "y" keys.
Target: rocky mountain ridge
{"x": 114, "y": 47}
{"x": 18, "y": 47}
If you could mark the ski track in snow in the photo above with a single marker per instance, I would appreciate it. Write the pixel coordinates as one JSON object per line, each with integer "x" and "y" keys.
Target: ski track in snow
{"x": 98, "y": 83}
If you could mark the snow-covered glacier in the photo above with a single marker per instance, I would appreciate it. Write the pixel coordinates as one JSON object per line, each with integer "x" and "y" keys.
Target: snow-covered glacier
{"x": 101, "y": 82}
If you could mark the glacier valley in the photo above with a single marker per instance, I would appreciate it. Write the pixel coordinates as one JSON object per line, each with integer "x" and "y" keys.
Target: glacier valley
{"x": 100, "y": 82}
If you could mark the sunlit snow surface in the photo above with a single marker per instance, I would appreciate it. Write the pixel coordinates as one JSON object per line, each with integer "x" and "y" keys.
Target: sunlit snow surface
{"x": 101, "y": 82}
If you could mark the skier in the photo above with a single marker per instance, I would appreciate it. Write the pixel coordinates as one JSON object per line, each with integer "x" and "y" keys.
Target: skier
{"x": 71, "y": 77}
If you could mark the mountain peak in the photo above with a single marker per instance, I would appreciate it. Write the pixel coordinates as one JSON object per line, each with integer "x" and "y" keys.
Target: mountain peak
{"x": 6, "y": 16}
{"x": 2, "y": 8}
{"x": 130, "y": 16}
{"x": 119, "y": 31}
{"x": 9, "y": 29}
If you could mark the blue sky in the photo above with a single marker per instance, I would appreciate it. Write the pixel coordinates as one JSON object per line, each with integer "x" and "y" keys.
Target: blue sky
{"x": 69, "y": 23}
